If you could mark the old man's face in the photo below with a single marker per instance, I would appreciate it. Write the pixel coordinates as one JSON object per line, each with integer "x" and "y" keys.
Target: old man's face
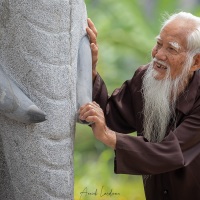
{"x": 166, "y": 78}
{"x": 170, "y": 51}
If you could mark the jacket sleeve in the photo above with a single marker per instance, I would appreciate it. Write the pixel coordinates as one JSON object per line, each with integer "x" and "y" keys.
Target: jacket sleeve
{"x": 180, "y": 148}
{"x": 135, "y": 155}
{"x": 118, "y": 108}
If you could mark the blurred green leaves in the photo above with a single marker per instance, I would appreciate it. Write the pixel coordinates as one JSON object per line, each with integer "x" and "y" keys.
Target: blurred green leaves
{"x": 125, "y": 38}
{"x": 126, "y": 35}
{"x": 98, "y": 174}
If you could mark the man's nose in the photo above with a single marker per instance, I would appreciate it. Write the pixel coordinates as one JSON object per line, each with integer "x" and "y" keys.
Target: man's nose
{"x": 161, "y": 54}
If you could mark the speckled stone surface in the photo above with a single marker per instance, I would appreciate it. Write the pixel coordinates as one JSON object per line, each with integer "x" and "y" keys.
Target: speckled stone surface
{"x": 39, "y": 42}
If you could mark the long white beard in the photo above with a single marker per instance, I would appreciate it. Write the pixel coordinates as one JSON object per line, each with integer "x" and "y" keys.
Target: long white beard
{"x": 159, "y": 102}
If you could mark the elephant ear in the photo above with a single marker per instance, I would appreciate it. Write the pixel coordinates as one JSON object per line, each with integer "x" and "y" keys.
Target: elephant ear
{"x": 15, "y": 104}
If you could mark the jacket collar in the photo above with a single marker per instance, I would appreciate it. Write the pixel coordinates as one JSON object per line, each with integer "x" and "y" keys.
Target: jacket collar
{"x": 187, "y": 99}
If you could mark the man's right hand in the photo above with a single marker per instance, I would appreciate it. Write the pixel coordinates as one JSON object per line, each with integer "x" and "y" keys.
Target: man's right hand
{"x": 92, "y": 33}
{"x": 92, "y": 113}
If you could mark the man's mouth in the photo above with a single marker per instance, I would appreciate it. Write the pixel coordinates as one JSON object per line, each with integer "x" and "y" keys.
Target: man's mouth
{"x": 160, "y": 66}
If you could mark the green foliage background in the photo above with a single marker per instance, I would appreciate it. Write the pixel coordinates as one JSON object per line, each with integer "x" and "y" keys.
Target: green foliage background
{"x": 126, "y": 32}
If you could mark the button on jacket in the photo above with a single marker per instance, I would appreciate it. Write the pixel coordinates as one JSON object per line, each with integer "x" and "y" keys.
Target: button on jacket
{"x": 171, "y": 168}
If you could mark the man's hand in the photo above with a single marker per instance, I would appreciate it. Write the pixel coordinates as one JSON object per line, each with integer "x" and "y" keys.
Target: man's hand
{"x": 92, "y": 33}
{"x": 91, "y": 112}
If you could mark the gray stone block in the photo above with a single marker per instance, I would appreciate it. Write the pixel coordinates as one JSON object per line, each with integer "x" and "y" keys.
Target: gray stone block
{"x": 39, "y": 42}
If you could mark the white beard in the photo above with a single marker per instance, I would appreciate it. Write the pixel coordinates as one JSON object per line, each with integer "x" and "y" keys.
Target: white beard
{"x": 159, "y": 101}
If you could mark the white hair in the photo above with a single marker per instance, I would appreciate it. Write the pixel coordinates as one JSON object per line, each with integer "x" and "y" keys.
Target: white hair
{"x": 193, "y": 38}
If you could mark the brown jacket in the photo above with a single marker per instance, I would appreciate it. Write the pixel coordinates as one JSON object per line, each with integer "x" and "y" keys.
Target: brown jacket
{"x": 174, "y": 163}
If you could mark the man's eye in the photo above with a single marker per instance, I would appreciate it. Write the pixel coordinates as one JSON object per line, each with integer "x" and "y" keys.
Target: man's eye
{"x": 173, "y": 50}
{"x": 158, "y": 44}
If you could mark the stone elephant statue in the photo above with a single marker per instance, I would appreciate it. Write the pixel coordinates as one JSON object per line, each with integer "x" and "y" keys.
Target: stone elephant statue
{"x": 45, "y": 75}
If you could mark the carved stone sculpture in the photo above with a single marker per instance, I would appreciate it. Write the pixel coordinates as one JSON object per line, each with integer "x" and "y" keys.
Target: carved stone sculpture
{"x": 40, "y": 47}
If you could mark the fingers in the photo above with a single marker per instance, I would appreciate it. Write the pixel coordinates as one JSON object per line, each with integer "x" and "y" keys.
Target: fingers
{"x": 95, "y": 103}
{"x": 94, "y": 49}
{"x": 92, "y": 32}
{"x": 91, "y": 112}
{"x": 89, "y": 107}
{"x": 92, "y": 36}
{"x": 92, "y": 26}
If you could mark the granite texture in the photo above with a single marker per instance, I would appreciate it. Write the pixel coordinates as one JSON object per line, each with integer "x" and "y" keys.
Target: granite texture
{"x": 15, "y": 104}
{"x": 39, "y": 43}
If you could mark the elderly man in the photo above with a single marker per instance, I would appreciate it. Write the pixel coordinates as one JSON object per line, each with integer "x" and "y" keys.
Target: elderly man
{"x": 162, "y": 103}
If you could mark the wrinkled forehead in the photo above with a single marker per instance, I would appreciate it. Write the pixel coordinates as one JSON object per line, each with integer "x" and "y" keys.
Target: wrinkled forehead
{"x": 174, "y": 37}
{"x": 177, "y": 31}
{"x": 172, "y": 43}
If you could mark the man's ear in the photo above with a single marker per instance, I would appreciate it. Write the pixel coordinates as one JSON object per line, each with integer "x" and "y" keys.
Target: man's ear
{"x": 196, "y": 63}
